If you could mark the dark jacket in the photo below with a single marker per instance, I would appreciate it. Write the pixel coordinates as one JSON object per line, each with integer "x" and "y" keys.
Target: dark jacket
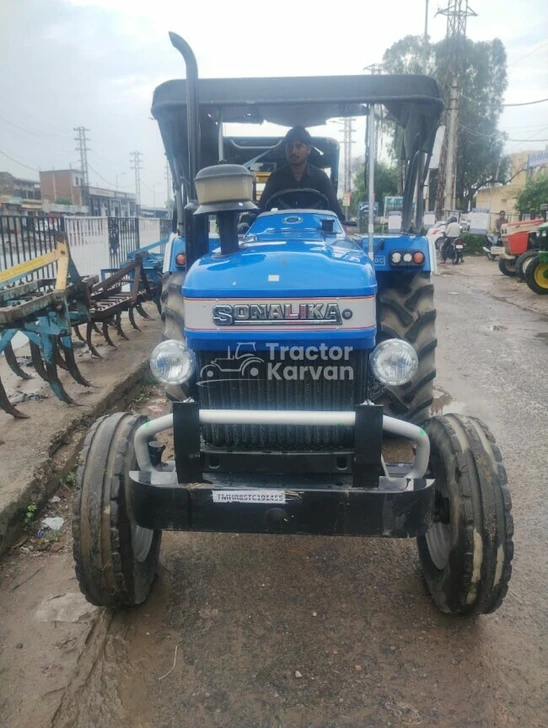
{"x": 313, "y": 178}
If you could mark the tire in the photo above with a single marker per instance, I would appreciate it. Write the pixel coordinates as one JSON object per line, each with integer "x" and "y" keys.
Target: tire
{"x": 115, "y": 559}
{"x": 466, "y": 555}
{"x": 490, "y": 256}
{"x": 520, "y": 273}
{"x": 406, "y": 311}
{"x": 536, "y": 276}
{"x": 171, "y": 299}
{"x": 507, "y": 267}
{"x": 526, "y": 263}
{"x": 439, "y": 244}
{"x": 173, "y": 317}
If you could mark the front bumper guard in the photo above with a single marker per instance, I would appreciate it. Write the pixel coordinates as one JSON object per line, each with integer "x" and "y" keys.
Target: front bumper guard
{"x": 400, "y": 506}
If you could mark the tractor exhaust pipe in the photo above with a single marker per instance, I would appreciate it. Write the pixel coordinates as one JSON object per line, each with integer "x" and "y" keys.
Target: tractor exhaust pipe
{"x": 192, "y": 110}
{"x": 196, "y": 229}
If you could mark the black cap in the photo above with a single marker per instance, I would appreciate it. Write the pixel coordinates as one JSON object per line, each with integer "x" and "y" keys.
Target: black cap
{"x": 298, "y": 134}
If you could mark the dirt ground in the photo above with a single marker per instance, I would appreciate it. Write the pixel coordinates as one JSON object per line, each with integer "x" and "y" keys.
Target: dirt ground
{"x": 298, "y": 632}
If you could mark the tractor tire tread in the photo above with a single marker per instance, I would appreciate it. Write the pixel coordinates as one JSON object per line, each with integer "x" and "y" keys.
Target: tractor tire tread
{"x": 101, "y": 530}
{"x": 480, "y": 486}
{"x": 406, "y": 311}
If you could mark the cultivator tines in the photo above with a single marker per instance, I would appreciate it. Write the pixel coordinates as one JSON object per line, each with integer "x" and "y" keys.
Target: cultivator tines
{"x": 123, "y": 289}
{"x": 44, "y": 310}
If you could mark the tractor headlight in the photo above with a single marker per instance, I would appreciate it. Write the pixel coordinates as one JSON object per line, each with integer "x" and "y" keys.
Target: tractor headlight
{"x": 171, "y": 362}
{"x": 394, "y": 362}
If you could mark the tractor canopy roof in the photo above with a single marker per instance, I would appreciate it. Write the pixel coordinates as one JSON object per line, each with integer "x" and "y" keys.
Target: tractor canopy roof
{"x": 308, "y": 101}
{"x": 414, "y": 102}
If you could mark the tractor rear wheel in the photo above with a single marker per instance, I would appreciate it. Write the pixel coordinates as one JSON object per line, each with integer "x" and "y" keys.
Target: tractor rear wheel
{"x": 115, "y": 558}
{"x": 406, "y": 311}
{"x": 173, "y": 312}
{"x": 173, "y": 317}
{"x": 467, "y": 552}
{"x": 536, "y": 276}
{"x": 507, "y": 266}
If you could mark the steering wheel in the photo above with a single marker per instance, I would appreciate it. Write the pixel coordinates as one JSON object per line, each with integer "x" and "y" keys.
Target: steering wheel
{"x": 319, "y": 200}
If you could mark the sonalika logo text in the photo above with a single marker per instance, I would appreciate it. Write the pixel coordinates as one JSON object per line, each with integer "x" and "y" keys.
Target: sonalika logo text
{"x": 275, "y": 314}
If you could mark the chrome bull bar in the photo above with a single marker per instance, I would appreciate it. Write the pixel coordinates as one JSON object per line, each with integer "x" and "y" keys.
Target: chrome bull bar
{"x": 149, "y": 430}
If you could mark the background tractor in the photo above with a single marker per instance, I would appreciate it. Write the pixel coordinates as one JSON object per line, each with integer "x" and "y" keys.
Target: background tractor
{"x": 345, "y": 331}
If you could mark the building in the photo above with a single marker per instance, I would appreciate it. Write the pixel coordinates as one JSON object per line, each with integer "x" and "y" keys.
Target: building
{"x": 19, "y": 196}
{"x": 66, "y": 187}
{"x": 108, "y": 203}
{"x": 146, "y": 211}
{"x": 62, "y": 187}
{"x": 503, "y": 197}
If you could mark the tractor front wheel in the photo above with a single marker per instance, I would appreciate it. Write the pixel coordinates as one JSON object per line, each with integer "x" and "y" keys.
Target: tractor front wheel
{"x": 406, "y": 311}
{"x": 522, "y": 262}
{"x": 507, "y": 266}
{"x": 115, "y": 558}
{"x": 467, "y": 552}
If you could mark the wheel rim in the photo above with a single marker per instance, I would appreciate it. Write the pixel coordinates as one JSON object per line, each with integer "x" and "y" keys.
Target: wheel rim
{"x": 141, "y": 541}
{"x": 541, "y": 275}
{"x": 438, "y": 539}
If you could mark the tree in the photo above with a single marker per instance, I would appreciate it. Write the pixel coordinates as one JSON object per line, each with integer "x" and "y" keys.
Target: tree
{"x": 483, "y": 81}
{"x": 533, "y": 195}
{"x": 386, "y": 183}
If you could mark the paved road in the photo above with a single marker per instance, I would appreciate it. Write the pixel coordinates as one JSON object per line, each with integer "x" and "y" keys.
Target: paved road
{"x": 322, "y": 632}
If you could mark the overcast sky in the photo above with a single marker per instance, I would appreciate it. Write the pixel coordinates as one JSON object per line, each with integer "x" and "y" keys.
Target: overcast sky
{"x": 66, "y": 63}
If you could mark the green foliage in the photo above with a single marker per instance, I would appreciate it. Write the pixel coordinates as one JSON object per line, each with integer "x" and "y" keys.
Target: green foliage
{"x": 533, "y": 195}
{"x": 386, "y": 183}
{"x": 30, "y": 513}
{"x": 63, "y": 201}
{"x": 483, "y": 81}
{"x": 474, "y": 243}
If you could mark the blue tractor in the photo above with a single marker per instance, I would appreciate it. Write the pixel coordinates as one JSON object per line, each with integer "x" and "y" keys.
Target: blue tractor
{"x": 295, "y": 355}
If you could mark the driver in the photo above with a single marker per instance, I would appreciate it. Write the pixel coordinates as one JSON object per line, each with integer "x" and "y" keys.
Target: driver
{"x": 299, "y": 174}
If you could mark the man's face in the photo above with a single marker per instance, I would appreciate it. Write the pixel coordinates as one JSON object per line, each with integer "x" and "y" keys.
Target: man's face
{"x": 297, "y": 153}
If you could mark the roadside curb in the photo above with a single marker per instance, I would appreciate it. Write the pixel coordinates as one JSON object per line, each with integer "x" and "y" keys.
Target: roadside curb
{"x": 59, "y": 455}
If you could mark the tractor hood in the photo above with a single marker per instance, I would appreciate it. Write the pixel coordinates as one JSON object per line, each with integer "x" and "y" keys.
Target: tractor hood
{"x": 286, "y": 286}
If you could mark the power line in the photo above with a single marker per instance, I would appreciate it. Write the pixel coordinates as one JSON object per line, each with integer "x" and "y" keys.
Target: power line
{"x": 83, "y": 149}
{"x": 106, "y": 180}
{"x": 136, "y": 164}
{"x": 536, "y": 50}
{"x": 60, "y": 133}
{"x": 19, "y": 127}
{"x": 492, "y": 136}
{"x": 528, "y": 103}
{"x": 5, "y": 154}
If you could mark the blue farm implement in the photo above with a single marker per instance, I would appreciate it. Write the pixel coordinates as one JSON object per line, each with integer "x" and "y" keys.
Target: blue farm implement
{"x": 44, "y": 310}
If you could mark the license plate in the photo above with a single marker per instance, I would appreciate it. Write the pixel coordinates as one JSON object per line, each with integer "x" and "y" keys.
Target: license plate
{"x": 267, "y": 495}
{"x": 459, "y": 247}
{"x": 497, "y": 249}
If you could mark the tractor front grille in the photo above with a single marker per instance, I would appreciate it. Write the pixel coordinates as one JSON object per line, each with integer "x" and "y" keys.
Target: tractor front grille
{"x": 261, "y": 384}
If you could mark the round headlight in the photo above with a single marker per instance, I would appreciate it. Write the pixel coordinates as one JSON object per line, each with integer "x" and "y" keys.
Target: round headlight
{"x": 394, "y": 362}
{"x": 171, "y": 362}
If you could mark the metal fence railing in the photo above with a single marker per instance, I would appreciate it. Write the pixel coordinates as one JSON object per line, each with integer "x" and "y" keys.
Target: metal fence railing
{"x": 96, "y": 243}
{"x": 123, "y": 237}
{"x": 23, "y": 238}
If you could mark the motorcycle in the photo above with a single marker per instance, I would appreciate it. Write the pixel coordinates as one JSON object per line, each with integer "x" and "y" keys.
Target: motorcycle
{"x": 454, "y": 250}
{"x": 458, "y": 251}
{"x": 493, "y": 246}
